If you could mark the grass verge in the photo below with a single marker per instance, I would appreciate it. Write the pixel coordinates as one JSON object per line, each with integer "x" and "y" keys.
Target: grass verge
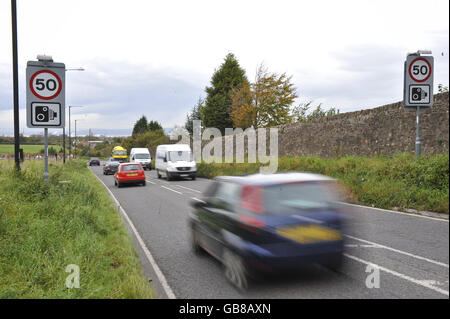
{"x": 46, "y": 226}
{"x": 385, "y": 182}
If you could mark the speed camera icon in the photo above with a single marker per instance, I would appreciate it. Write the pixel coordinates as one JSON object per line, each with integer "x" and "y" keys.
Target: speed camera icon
{"x": 419, "y": 94}
{"x": 46, "y": 114}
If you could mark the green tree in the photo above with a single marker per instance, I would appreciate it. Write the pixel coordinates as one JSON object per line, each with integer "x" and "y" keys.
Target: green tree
{"x": 140, "y": 126}
{"x": 265, "y": 103}
{"x": 442, "y": 88}
{"x": 195, "y": 114}
{"x": 216, "y": 112}
{"x": 299, "y": 113}
{"x": 154, "y": 126}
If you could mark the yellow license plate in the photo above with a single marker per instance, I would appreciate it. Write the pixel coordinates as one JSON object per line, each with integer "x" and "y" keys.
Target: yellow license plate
{"x": 308, "y": 234}
{"x": 132, "y": 174}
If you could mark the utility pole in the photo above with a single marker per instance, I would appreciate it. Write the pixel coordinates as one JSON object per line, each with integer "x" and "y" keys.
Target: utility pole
{"x": 15, "y": 84}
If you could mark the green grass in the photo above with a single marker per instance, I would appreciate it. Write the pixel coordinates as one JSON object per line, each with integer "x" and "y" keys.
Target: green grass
{"x": 27, "y": 149}
{"x": 45, "y": 226}
{"x": 384, "y": 182}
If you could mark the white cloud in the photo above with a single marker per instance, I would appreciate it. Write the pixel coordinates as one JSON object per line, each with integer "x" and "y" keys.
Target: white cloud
{"x": 159, "y": 55}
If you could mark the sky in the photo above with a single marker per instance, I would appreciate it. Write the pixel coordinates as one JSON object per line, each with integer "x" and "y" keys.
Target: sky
{"x": 155, "y": 58}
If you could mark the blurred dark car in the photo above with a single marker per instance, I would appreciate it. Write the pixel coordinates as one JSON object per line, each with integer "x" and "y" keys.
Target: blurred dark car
{"x": 94, "y": 161}
{"x": 268, "y": 224}
{"x": 111, "y": 166}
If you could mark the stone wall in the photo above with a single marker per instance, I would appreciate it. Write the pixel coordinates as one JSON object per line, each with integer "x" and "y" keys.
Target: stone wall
{"x": 384, "y": 130}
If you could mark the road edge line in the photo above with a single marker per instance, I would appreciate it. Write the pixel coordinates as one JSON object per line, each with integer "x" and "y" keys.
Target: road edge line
{"x": 396, "y": 212}
{"x": 162, "y": 279}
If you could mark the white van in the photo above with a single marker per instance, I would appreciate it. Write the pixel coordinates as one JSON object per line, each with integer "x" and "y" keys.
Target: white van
{"x": 175, "y": 160}
{"x": 142, "y": 156}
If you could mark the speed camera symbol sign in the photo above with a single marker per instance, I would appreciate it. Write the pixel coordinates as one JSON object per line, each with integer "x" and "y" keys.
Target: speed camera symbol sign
{"x": 418, "y": 82}
{"x": 45, "y": 84}
{"x": 420, "y": 70}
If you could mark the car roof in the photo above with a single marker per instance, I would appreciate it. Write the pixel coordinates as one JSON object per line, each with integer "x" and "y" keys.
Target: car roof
{"x": 275, "y": 179}
{"x": 175, "y": 147}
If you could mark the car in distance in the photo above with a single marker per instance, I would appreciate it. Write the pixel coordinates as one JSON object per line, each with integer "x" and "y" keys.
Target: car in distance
{"x": 111, "y": 166}
{"x": 268, "y": 224}
{"x": 175, "y": 160}
{"x": 94, "y": 161}
{"x": 129, "y": 173}
{"x": 142, "y": 156}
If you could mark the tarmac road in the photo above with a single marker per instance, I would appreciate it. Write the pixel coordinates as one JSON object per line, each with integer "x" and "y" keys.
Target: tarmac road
{"x": 410, "y": 252}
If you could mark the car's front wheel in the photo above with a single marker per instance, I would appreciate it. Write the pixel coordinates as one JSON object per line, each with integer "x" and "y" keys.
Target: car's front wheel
{"x": 158, "y": 174}
{"x": 234, "y": 269}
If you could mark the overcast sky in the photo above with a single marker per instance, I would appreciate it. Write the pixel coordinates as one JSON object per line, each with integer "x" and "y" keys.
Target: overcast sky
{"x": 156, "y": 57}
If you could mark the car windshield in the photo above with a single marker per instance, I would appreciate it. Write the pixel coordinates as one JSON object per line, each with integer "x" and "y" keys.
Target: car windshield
{"x": 142, "y": 156}
{"x": 94, "y": 159}
{"x": 288, "y": 198}
{"x": 176, "y": 156}
{"x": 120, "y": 152}
{"x": 131, "y": 167}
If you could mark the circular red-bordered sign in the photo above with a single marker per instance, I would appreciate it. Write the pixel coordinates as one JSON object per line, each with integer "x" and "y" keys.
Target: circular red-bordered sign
{"x": 51, "y": 97}
{"x": 429, "y": 70}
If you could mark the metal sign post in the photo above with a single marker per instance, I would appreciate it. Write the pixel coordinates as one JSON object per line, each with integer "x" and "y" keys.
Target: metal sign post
{"x": 418, "y": 87}
{"x": 45, "y": 98}
{"x": 46, "y": 175}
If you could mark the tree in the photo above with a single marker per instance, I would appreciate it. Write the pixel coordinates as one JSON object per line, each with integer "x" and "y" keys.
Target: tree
{"x": 442, "y": 88}
{"x": 154, "y": 126}
{"x": 140, "y": 126}
{"x": 194, "y": 115}
{"x": 266, "y": 102}
{"x": 299, "y": 112}
{"x": 216, "y": 112}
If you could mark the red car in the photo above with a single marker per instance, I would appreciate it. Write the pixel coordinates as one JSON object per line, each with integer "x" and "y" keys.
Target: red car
{"x": 129, "y": 173}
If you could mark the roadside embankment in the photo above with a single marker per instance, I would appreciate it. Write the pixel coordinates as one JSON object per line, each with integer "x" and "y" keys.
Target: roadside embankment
{"x": 70, "y": 220}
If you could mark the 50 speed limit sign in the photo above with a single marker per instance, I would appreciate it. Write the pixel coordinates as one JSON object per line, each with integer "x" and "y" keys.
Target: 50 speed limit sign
{"x": 45, "y": 94}
{"x": 418, "y": 82}
{"x": 45, "y": 84}
{"x": 420, "y": 70}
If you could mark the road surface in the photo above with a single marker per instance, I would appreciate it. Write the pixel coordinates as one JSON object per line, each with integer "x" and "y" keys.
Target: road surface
{"x": 411, "y": 253}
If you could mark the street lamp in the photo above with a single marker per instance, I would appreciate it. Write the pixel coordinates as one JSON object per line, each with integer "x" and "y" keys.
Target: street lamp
{"x": 70, "y": 135}
{"x": 64, "y": 128}
{"x": 76, "y": 141}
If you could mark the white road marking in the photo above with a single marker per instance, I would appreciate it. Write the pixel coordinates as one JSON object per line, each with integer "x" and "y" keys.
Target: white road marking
{"x": 423, "y": 283}
{"x": 198, "y": 200}
{"x": 363, "y": 246}
{"x": 395, "y": 212}
{"x": 150, "y": 182}
{"x": 159, "y": 274}
{"x": 399, "y": 251}
{"x": 194, "y": 190}
{"x": 170, "y": 189}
